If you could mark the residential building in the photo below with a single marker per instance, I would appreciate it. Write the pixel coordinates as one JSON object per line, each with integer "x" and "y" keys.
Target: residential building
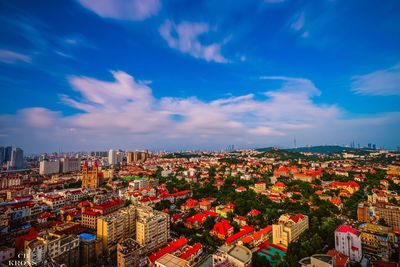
{"x": 368, "y": 212}
{"x": 152, "y": 228}
{"x": 130, "y": 254}
{"x": 348, "y": 242}
{"x": 49, "y": 167}
{"x": 63, "y": 249}
{"x": 116, "y": 226}
{"x": 90, "y": 250}
{"x": 238, "y": 256}
{"x": 289, "y": 228}
{"x": 69, "y": 164}
{"x": 376, "y": 241}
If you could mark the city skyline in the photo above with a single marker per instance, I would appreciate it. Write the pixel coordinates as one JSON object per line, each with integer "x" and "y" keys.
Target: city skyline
{"x": 183, "y": 75}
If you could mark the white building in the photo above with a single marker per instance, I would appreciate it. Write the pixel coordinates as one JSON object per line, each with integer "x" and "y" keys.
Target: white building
{"x": 70, "y": 164}
{"x": 348, "y": 242}
{"x": 49, "y": 167}
{"x": 238, "y": 256}
{"x": 112, "y": 157}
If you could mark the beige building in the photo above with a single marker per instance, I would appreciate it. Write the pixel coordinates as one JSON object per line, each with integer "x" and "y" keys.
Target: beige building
{"x": 169, "y": 260}
{"x": 238, "y": 256}
{"x": 152, "y": 228}
{"x": 368, "y": 212}
{"x": 130, "y": 254}
{"x": 289, "y": 228}
{"x": 116, "y": 226}
{"x": 259, "y": 187}
{"x": 63, "y": 249}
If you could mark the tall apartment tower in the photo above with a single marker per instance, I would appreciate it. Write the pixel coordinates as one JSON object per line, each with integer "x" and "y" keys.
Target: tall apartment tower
{"x": 91, "y": 177}
{"x": 152, "y": 228}
{"x": 112, "y": 157}
{"x": 17, "y": 159}
{"x": 2, "y": 155}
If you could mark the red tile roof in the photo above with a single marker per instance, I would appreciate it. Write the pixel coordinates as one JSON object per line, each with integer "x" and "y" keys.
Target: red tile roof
{"x": 190, "y": 251}
{"x": 245, "y": 230}
{"x": 347, "y": 229}
{"x": 171, "y": 247}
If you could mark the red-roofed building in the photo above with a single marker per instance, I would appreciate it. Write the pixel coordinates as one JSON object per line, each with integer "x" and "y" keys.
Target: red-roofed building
{"x": 244, "y": 231}
{"x": 241, "y": 189}
{"x": 196, "y": 221}
{"x": 253, "y": 213}
{"x": 222, "y": 229}
{"x": 109, "y": 206}
{"x": 172, "y": 247}
{"x": 341, "y": 260}
{"x": 258, "y": 237}
{"x": 350, "y": 186}
{"x": 190, "y": 204}
{"x": 192, "y": 253}
{"x": 348, "y": 242}
{"x": 279, "y": 187}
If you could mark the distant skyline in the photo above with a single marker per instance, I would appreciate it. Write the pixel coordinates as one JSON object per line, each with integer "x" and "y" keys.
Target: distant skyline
{"x": 180, "y": 74}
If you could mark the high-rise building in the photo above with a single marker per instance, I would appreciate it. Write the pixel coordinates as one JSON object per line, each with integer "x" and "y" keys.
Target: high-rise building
{"x": 2, "y": 156}
{"x": 368, "y": 212}
{"x": 90, "y": 249}
{"x": 377, "y": 241}
{"x": 112, "y": 157}
{"x": 289, "y": 228}
{"x": 7, "y": 153}
{"x": 49, "y": 167}
{"x": 91, "y": 178}
{"x": 129, "y": 157}
{"x": 116, "y": 226}
{"x": 130, "y": 254}
{"x": 152, "y": 228}
{"x": 17, "y": 159}
{"x": 70, "y": 164}
{"x": 348, "y": 242}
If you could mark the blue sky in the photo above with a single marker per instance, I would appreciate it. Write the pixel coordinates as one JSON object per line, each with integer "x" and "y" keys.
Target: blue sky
{"x": 82, "y": 75}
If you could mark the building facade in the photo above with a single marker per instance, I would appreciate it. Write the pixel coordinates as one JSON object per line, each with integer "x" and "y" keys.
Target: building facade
{"x": 289, "y": 228}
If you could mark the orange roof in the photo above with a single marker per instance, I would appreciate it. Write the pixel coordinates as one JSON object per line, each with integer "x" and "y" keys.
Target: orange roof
{"x": 280, "y": 184}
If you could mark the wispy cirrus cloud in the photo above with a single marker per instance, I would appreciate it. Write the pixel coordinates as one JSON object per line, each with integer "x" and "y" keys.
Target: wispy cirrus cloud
{"x": 12, "y": 57}
{"x": 384, "y": 82}
{"x": 124, "y": 112}
{"x": 134, "y": 10}
{"x": 185, "y": 37}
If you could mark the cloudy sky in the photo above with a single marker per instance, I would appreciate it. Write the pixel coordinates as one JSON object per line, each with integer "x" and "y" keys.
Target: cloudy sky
{"x": 158, "y": 74}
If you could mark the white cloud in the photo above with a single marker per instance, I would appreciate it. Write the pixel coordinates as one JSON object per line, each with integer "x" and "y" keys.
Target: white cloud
{"x": 124, "y": 113}
{"x": 382, "y": 82}
{"x": 135, "y": 10}
{"x": 185, "y": 38}
{"x": 298, "y": 23}
{"x": 11, "y": 57}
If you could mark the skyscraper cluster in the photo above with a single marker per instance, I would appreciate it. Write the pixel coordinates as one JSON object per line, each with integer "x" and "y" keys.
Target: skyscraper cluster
{"x": 13, "y": 157}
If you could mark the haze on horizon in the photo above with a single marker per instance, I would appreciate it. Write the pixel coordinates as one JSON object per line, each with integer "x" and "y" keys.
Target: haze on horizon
{"x": 177, "y": 75}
